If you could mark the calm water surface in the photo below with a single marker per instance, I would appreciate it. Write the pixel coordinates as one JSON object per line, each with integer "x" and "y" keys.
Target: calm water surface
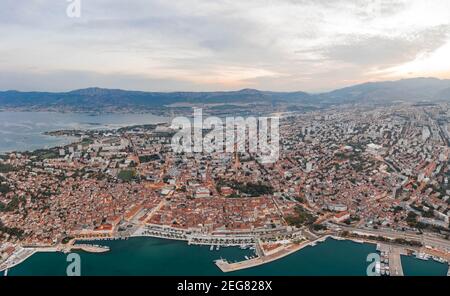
{"x": 23, "y": 131}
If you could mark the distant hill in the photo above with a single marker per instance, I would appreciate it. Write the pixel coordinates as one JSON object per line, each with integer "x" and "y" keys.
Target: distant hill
{"x": 101, "y": 98}
{"x": 416, "y": 89}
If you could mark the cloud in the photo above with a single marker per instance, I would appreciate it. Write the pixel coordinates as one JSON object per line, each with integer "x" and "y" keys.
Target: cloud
{"x": 384, "y": 51}
{"x": 223, "y": 44}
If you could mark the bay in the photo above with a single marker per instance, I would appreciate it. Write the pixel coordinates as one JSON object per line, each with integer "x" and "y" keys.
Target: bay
{"x": 23, "y": 131}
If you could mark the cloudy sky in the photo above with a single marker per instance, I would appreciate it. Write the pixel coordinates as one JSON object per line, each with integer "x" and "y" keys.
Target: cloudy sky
{"x": 161, "y": 45}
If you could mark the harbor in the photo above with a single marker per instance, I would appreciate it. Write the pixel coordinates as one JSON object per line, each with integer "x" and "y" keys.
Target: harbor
{"x": 257, "y": 249}
{"x": 152, "y": 256}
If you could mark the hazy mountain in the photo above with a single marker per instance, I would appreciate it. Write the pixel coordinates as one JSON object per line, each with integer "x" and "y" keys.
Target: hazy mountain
{"x": 101, "y": 98}
{"x": 416, "y": 89}
{"x": 443, "y": 95}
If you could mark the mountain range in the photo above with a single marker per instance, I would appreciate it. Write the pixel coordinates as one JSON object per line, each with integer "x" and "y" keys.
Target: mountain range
{"x": 413, "y": 90}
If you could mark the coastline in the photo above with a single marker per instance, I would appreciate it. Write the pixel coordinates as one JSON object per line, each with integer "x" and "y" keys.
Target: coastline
{"x": 93, "y": 249}
{"x": 42, "y": 125}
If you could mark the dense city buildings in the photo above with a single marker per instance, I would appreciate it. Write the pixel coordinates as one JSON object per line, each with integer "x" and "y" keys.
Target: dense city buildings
{"x": 378, "y": 169}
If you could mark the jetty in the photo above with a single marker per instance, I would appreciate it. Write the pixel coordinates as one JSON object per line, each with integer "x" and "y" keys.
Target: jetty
{"x": 284, "y": 251}
{"x": 91, "y": 248}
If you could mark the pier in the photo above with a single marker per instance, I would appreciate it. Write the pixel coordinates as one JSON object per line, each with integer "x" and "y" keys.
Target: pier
{"x": 395, "y": 263}
{"x": 91, "y": 248}
{"x": 393, "y": 255}
{"x": 225, "y": 266}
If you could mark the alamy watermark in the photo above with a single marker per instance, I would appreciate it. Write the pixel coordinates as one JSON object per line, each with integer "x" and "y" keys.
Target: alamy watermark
{"x": 259, "y": 136}
{"x": 74, "y": 9}
{"x": 74, "y": 267}
{"x": 374, "y": 267}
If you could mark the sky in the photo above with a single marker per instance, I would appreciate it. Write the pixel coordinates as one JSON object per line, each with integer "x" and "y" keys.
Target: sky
{"x": 208, "y": 45}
